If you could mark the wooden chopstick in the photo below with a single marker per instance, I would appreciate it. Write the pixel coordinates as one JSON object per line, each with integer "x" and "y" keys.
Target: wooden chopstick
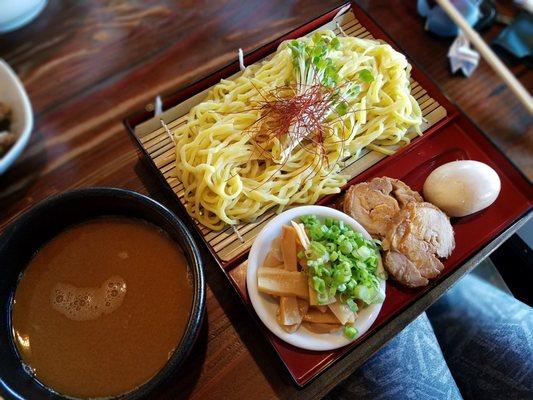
{"x": 489, "y": 56}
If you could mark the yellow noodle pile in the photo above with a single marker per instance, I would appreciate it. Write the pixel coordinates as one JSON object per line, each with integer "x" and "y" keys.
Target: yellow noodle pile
{"x": 226, "y": 179}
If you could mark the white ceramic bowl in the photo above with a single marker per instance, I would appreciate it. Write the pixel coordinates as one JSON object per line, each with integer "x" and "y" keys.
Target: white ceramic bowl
{"x": 265, "y": 305}
{"x": 17, "y": 13}
{"x": 13, "y": 94}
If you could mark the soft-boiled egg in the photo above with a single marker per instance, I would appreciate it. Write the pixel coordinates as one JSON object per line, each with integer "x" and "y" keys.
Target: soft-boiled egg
{"x": 462, "y": 188}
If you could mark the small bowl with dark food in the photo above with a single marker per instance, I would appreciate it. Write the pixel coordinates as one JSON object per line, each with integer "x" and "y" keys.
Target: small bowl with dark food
{"x": 102, "y": 296}
{"x": 16, "y": 117}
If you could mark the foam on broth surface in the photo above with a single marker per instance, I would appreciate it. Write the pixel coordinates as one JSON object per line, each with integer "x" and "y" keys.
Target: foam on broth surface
{"x": 101, "y": 307}
{"x": 82, "y": 304}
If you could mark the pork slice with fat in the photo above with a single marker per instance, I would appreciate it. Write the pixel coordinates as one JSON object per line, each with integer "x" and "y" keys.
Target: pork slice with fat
{"x": 430, "y": 225}
{"x": 370, "y": 204}
{"x": 404, "y": 194}
{"x": 419, "y": 233}
{"x": 403, "y": 270}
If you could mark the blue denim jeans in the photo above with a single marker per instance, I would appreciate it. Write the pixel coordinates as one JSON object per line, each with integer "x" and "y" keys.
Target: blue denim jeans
{"x": 476, "y": 342}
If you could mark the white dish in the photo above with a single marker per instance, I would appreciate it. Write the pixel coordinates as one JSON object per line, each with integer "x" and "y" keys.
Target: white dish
{"x": 15, "y": 14}
{"x": 265, "y": 306}
{"x": 12, "y": 93}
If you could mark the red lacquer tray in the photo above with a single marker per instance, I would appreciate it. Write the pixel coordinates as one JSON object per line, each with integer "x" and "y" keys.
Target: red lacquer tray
{"x": 453, "y": 137}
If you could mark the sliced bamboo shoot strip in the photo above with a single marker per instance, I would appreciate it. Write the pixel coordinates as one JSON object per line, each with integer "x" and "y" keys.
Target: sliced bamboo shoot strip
{"x": 288, "y": 248}
{"x": 313, "y": 299}
{"x": 300, "y": 231}
{"x": 322, "y": 328}
{"x": 289, "y": 312}
{"x": 276, "y": 249}
{"x": 342, "y": 312}
{"x": 313, "y": 315}
{"x": 303, "y": 305}
{"x": 271, "y": 261}
{"x": 288, "y": 305}
{"x": 289, "y": 328}
{"x": 279, "y": 282}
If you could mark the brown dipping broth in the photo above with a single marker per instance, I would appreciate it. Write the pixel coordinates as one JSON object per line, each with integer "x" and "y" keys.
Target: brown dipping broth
{"x": 101, "y": 307}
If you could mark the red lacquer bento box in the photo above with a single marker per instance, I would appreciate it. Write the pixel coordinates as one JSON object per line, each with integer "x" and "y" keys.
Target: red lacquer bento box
{"x": 448, "y": 136}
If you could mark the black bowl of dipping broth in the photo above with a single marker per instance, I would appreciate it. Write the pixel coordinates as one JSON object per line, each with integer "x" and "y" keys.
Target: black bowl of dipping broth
{"x": 24, "y": 237}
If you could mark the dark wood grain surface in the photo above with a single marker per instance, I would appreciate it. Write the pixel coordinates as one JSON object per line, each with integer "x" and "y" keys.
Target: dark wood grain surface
{"x": 87, "y": 65}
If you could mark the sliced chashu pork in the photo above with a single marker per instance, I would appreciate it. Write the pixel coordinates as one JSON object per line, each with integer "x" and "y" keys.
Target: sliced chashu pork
{"x": 403, "y": 269}
{"x": 403, "y": 193}
{"x": 374, "y": 204}
{"x": 418, "y": 235}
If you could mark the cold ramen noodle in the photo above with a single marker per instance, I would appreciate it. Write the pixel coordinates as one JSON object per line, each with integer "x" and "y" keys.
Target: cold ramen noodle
{"x": 322, "y": 274}
{"x": 101, "y": 307}
{"x": 280, "y": 133}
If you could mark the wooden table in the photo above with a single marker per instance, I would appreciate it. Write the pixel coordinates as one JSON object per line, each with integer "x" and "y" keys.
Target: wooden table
{"x": 87, "y": 65}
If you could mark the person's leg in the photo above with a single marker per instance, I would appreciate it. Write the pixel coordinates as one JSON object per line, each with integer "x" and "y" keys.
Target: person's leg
{"x": 410, "y": 366}
{"x": 486, "y": 337}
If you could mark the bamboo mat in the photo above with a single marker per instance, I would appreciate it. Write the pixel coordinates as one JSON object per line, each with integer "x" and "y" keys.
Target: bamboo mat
{"x": 225, "y": 243}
